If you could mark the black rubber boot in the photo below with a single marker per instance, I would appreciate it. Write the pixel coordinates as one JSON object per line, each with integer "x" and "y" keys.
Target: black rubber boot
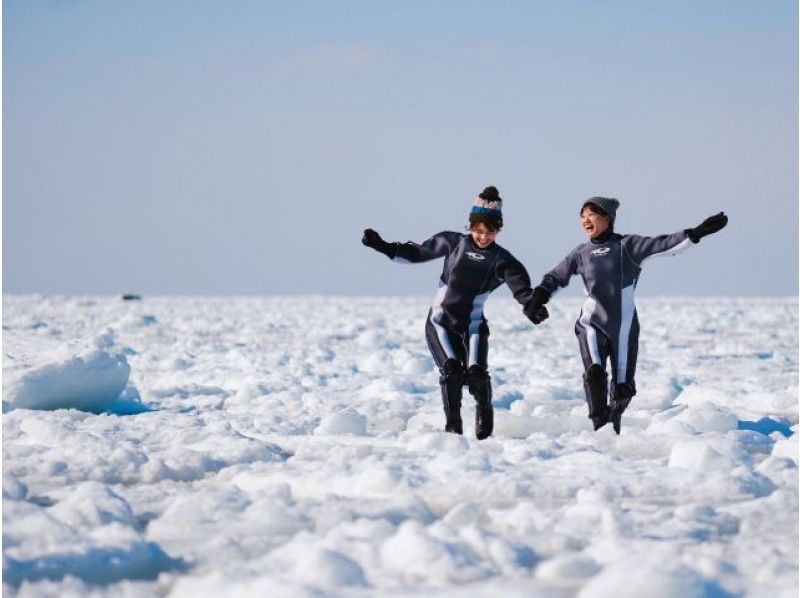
{"x": 452, "y": 381}
{"x": 623, "y": 393}
{"x": 595, "y": 383}
{"x": 480, "y": 387}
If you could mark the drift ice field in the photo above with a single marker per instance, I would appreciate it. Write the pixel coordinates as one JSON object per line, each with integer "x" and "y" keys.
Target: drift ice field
{"x": 293, "y": 447}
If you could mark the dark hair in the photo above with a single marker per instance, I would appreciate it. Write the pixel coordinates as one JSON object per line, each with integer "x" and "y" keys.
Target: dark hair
{"x": 593, "y": 207}
{"x": 493, "y": 223}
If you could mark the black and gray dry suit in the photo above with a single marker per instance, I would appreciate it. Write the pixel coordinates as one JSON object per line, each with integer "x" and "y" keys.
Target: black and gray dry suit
{"x": 456, "y": 329}
{"x": 608, "y": 327}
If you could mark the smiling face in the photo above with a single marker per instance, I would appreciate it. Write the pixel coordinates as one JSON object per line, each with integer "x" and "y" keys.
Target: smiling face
{"x": 593, "y": 222}
{"x": 482, "y": 235}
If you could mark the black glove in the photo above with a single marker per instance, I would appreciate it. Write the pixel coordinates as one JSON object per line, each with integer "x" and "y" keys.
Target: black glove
{"x": 373, "y": 240}
{"x": 535, "y": 309}
{"x": 710, "y": 225}
{"x": 538, "y": 316}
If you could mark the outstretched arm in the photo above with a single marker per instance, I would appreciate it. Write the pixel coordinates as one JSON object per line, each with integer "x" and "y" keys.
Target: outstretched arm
{"x": 439, "y": 245}
{"x": 643, "y": 248}
{"x": 639, "y": 249}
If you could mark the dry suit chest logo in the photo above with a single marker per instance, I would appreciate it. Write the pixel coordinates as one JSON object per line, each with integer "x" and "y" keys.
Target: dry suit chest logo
{"x": 475, "y": 256}
{"x": 601, "y": 251}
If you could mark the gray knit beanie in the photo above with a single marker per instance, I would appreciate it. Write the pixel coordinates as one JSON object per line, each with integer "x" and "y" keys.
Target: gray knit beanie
{"x": 608, "y": 205}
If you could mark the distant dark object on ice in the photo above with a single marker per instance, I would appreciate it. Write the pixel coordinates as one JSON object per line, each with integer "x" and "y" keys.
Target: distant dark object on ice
{"x": 131, "y": 297}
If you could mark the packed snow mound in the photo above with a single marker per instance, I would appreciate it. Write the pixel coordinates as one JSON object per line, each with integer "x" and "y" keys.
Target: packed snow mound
{"x": 706, "y": 455}
{"x": 90, "y": 535}
{"x": 344, "y": 422}
{"x": 91, "y": 380}
{"x": 648, "y": 576}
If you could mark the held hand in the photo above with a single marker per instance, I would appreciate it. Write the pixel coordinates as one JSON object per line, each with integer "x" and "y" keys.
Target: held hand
{"x": 535, "y": 309}
{"x": 709, "y": 226}
{"x": 536, "y": 303}
{"x": 538, "y": 316}
{"x": 540, "y": 296}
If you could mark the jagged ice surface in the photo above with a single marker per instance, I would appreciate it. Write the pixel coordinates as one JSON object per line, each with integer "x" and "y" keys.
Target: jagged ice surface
{"x": 294, "y": 445}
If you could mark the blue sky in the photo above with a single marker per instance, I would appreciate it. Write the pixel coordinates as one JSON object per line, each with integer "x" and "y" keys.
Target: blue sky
{"x": 241, "y": 147}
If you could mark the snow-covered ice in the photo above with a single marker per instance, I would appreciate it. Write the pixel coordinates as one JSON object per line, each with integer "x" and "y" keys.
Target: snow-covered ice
{"x": 36, "y": 376}
{"x": 293, "y": 447}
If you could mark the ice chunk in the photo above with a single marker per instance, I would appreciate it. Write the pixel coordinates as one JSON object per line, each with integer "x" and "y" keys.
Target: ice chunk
{"x": 90, "y": 381}
{"x": 786, "y": 447}
{"x": 39, "y": 546}
{"x": 417, "y": 366}
{"x": 328, "y": 568}
{"x": 412, "y": 550}
{"x": 695, "y": 395}
{"x": 645, "y": 576}
{"x": 344, "y": 422}
{"x": 705, "y": 454}
{"x": 709, "y": 417}
{"x": 567, "y": 567}
{"x": 92, "y": 504}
